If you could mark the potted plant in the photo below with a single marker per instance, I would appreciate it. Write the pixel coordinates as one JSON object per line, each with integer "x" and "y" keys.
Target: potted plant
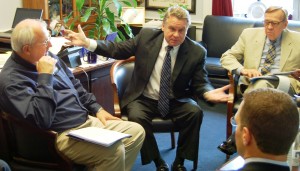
{"x": 102, "y": 16}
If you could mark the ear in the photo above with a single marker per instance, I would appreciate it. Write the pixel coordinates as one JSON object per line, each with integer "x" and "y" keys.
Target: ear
{"x": 163, "y": 27}
{"x": 246, "y": 136}
{"x": 26, "y": 50}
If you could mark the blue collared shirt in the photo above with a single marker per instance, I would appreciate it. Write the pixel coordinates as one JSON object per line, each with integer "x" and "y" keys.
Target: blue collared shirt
{"x": 51, "y": 101}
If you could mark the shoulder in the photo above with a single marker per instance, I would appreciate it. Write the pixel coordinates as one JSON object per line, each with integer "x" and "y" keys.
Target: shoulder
{"x": 150, "y": 31}
{"x": 250, "y": 31}
{"x": 193, "y": 45}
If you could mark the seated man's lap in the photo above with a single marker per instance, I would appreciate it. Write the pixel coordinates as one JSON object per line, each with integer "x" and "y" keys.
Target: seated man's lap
{"x": 88, "y": 153}
{"x": 180, "y": 112}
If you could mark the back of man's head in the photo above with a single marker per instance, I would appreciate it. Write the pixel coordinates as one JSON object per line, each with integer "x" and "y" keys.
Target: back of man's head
{"x": 272, "y": 117}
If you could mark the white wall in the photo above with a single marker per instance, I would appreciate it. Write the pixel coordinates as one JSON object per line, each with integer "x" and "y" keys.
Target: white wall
{"x": 7, "y": 12}
{"x": 203, "y": 8}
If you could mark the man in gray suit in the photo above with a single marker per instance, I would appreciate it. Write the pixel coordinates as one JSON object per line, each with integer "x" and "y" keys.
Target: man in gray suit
{"x": 247, "y": 56}
{"x": 188, "y": 80}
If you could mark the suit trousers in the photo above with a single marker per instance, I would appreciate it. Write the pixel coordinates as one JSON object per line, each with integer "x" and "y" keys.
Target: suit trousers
{"x": 187, "y": 116}
{"x": 120, "y": 156}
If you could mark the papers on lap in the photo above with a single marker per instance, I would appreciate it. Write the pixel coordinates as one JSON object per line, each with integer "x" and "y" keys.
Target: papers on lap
{"x": 271, "y": 76}
{"x": 98, "y": 136}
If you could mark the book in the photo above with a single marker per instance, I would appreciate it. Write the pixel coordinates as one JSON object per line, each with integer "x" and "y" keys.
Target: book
{"x": 283, "y": 73}
{"x": 265, "y": 77}
{"x": 98, "y": 136}
{"x": 272, "y": 76}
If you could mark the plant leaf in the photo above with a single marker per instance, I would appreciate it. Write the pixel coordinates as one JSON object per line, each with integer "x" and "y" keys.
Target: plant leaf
{"x": 79, "y": 4}
{"x": 87, "y": 14}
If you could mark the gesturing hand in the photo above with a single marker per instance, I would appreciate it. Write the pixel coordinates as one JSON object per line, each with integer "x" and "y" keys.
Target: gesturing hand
{"x": 217, "y": 95}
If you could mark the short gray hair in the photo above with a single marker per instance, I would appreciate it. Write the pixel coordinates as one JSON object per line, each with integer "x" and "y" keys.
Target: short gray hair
{"x": 178, "y": 12}
{"x": 24, "y": 33}
{"x": 278, "y": 8}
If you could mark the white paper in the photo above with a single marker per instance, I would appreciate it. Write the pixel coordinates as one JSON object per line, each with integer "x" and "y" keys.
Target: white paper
{"x": 98, "y": 136}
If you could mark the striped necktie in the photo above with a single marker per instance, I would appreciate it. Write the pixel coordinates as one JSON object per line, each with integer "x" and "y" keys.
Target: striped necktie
{"x": 269, "y": 61}
{"x": 165, "y": 85}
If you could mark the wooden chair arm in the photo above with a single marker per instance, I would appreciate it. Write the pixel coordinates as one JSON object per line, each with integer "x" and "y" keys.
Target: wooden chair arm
{"x": 230, "y": 104}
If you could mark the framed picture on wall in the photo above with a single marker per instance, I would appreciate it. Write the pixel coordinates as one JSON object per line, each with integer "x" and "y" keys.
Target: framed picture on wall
{"x": 132, "y": 15}
{"x": 161, "y": 4}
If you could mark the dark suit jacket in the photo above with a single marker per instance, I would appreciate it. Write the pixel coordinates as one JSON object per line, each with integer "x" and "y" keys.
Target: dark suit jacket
{"x": 259, "y": 166}
{"x": 189, "y": 76}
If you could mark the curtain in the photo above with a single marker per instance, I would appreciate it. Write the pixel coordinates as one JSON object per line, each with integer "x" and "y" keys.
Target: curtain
{"x": 222, "y": 7}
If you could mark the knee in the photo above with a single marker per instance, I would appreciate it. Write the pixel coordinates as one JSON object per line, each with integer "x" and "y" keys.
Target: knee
{"x": 138, "y": 131}
{"x": 196, "y": 112}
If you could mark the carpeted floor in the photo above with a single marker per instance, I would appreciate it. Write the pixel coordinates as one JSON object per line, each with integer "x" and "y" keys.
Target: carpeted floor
{"x": 211, "y": 135}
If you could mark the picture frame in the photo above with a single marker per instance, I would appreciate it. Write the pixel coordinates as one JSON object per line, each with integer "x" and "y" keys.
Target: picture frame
{"x": 57, "y": 29}
{"x": 161, "y": 4}
{"x": 131, "y": 15}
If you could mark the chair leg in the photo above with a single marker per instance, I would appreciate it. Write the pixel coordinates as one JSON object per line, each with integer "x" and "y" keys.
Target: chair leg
{"x": 172, "y": 139}
{"x": 227, "y": 157}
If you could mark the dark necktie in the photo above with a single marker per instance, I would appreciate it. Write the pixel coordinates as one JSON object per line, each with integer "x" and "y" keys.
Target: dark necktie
{"x": 269, "y": 61}
{"x": 165, "y": 83}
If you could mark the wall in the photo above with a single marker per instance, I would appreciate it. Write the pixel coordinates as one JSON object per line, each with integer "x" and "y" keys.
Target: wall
{"x": 203, "y": 8}
{"x": 7, "y": 12}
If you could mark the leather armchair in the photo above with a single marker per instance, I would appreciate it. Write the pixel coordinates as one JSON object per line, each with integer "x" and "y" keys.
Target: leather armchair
{"x": 31, "y": 148}
{"x": 120, "y": 75}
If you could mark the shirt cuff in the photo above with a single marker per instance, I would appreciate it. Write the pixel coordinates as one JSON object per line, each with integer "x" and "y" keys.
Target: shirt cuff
{"x": 93, "y": 45}
{"x": 238, "y": 71}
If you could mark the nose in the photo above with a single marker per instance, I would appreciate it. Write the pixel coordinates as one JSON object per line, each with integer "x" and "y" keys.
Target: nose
{"x": 49, "y": 44}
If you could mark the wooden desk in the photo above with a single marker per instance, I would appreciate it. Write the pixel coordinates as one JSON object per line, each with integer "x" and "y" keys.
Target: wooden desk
{"x": 5, "y": 43}
{"x": 96, "y": 79}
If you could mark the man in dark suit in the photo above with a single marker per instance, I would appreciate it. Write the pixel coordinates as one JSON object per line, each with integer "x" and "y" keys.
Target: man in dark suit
{"x": 188, "y": 80}
{"x": 266, "y": 126}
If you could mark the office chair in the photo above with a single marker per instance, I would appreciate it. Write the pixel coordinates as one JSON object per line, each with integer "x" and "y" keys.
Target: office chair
{"x": 120, "y": 74}
{"x": 33, "y": 149}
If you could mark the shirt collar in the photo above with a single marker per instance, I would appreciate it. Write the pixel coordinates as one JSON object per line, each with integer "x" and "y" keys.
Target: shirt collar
{"x": 256, "y": 159}
{"x": 278, "y": 40}
{"x": 165, "y": 44}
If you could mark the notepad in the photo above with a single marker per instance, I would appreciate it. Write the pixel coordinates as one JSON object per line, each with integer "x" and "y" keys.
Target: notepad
{"x": 98, "y": 136}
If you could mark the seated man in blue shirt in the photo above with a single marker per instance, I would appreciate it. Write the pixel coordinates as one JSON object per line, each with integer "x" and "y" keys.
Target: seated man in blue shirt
{"x": 37, "y": 86}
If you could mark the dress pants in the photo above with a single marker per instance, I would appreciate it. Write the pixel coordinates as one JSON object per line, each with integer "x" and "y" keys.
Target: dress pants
{"x": 187, "y": 116}
{"x": 120, "y": 156}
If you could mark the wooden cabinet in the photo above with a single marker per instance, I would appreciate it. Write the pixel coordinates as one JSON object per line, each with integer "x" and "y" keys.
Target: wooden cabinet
{"x": 96, "y": 80}
{"x": 55, "y": 9}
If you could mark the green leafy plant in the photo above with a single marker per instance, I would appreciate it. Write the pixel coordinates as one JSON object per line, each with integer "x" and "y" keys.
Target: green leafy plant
{"x": 162, "y": 11}
{"x": 103, "y": 17}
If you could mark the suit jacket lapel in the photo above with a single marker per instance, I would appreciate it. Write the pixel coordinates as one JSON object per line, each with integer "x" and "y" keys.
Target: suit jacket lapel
{"x": 180, "y": 60}
{"x": 286, "y": 48}
{"x": 258, "y": 47}
{"x": 151, "y": 58}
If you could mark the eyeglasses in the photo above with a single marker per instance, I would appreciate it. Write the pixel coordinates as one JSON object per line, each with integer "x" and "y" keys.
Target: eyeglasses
{"x": 233, "y": 122}
{"x": 47, "y": 40}
{"x": 273, "y": 23}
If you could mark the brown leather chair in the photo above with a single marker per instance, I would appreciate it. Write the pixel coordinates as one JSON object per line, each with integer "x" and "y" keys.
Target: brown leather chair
{"x": 120, "y": 74}
{"x": 31, "y": 148}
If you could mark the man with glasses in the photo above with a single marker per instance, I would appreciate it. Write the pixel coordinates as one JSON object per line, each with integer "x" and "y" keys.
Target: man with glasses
{"x": 264, "y": 51}
{"x": 37, "y": 86}
{"x": 266, "y": 123}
